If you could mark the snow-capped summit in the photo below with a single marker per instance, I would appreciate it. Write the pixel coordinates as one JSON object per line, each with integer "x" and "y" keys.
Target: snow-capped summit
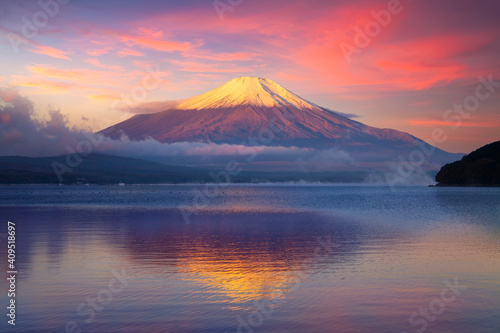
{"x": 253, "y": 91}
{"x": 244, "y": 107}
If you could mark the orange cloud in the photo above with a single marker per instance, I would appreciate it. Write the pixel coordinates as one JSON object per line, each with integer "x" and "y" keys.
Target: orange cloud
{"x": 84, "y": 74}
{"x": 104, "y": 97}
{"x": 95, "y": 84}
{"x": 50, "y": 86}
{"x": 87, "y": 80}
{"x": 57, "y": 72}
{"x": 50, "y": 51}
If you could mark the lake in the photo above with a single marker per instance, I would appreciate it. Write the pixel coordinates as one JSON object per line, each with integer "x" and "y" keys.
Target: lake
{"x": 252, "y": 258}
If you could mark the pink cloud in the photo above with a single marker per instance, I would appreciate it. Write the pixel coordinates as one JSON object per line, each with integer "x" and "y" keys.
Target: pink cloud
{"x": 99, "y": 52}
{"x": 97, "y": 63}
{"x": 155, "y": 33}
{"x": 223, "y": 56}
{"x": 130, "y": 52}
{"x": 51, "y": 52}
{"x": 152, "y": 41}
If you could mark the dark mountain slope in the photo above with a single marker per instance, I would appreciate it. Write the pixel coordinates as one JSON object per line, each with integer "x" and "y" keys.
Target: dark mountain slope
{"x": 479, "y": 168}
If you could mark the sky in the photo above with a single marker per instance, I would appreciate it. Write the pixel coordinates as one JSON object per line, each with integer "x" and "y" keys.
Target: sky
{"x": 413, "y": 65}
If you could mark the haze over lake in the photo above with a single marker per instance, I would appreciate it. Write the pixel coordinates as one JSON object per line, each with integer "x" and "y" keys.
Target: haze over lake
{"x": 259, "y": 258}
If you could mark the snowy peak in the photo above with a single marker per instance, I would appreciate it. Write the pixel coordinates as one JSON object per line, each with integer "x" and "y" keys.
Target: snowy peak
{"x": 247, "y": 91}
{"x": 249, "y": 108}
{"x": 244, "y": 106}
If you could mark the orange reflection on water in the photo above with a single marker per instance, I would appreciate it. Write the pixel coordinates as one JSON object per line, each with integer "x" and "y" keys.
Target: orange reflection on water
{"x": 241, "y": 280}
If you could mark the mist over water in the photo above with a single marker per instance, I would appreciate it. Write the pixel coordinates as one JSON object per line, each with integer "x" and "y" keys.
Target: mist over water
{"x": 255, "y": 258}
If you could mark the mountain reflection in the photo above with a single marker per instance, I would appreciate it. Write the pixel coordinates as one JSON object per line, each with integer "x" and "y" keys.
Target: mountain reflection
{"x": 239, "y": 256}
{"x": 366, "y": 259}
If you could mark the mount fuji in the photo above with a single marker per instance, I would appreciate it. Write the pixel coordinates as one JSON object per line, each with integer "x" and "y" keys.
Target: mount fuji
{"x": 247, "y": 107}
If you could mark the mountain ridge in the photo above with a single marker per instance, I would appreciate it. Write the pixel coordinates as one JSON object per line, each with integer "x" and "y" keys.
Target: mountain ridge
{"x": 243, "y": 106}
{"x": 258, "y": 111}
{"x": 479, "y": 168}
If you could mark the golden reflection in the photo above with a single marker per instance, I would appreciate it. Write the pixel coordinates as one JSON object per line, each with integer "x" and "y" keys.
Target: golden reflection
{"x": 237, "y": 263}
{"x": 233, "y": 263}
{"x": 243, "y": 280}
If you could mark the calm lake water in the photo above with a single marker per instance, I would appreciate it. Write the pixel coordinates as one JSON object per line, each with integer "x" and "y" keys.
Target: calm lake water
{"x": 253, "y": 259}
